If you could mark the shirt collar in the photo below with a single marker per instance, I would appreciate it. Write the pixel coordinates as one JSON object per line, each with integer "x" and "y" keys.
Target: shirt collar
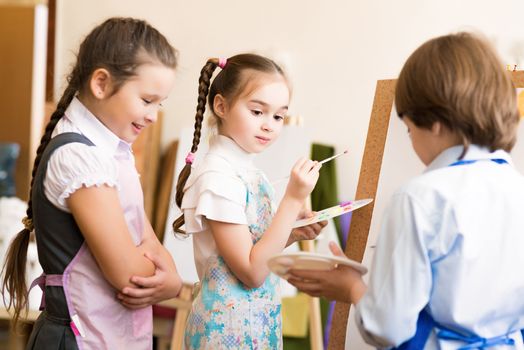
{"x": 93, "y": 129}
{"x": 451, "y": 155}
{"x": 228, "y": 149}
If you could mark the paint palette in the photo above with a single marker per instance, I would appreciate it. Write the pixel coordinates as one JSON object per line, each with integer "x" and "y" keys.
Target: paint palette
{"x": 332, "y": 212}
{"x": 282, "y": 263}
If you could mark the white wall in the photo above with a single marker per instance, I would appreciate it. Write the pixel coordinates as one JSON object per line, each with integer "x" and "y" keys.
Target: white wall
{"x": 334, "y": 52}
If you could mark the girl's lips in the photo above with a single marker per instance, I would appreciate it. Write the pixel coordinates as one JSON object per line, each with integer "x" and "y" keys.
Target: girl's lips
{"x": 262, "y": 139}
{"x": 137, "y": 127}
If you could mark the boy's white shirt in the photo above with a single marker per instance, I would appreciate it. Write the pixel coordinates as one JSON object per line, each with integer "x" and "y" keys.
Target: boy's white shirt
{"x": 439, "y": 238}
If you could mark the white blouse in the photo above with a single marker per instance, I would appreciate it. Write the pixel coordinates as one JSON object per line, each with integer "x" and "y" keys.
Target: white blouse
{"x": 214, "y": 191}
{"x": 452, "y": 239}
{"x": 75, "y": 165}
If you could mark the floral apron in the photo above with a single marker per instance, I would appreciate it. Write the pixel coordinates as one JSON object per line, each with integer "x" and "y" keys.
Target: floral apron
{"x": 225, "y": 313}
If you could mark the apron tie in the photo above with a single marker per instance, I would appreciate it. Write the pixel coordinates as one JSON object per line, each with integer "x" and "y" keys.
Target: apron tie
{"x": 475, "y": 342}
{"x": 43, "y": 281}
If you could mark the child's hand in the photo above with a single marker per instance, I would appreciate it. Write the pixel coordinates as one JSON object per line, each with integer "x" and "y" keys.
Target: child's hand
{"x": 303, "y": 178}
{"x": 164, "y": 284}
{"x": 342, "y": 283}
{"x": 306, "y": 232}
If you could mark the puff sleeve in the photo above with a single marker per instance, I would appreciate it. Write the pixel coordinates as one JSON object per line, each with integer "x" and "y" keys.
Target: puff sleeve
{"x": 77, "y": 165}
{"x": 214, "y": 195}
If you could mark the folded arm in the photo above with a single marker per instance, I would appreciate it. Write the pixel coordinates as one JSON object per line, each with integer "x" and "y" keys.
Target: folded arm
{"x": 99, "y": 216}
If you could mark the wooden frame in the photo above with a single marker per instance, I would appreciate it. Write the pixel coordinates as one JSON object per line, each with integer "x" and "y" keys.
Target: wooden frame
{"x": 22, "y": 82}
{"x": 146, "y": 149}
{"x": 367, "y": 188}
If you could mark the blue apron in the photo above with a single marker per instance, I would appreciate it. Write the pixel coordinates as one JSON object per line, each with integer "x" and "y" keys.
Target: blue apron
{"x": 426, "y": 323}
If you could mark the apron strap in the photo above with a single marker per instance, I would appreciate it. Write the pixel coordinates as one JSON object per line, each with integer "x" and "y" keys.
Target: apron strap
{"x": 474, "y": 342}
{"x": 46, "y": 280}
{"x": 426, "y": 323}
{"x": 471, "y": 161}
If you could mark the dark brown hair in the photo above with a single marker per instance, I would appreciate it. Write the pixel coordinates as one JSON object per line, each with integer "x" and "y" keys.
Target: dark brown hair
{"x": 119, "y": 45}
{"x": 231, "y": 82}
{"x": 459, "y": 81}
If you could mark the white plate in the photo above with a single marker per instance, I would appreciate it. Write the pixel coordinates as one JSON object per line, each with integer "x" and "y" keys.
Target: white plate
{"x": 332, "y": 212}
{"x": 282, "y": 263}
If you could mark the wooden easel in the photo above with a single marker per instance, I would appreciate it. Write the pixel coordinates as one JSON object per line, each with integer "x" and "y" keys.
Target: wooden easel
{"x": 315, "y": 318}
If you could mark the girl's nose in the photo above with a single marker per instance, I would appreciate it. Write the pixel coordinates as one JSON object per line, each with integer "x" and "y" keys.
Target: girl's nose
{"x": 267, "y": 127}
{"x": 152, "y": 116}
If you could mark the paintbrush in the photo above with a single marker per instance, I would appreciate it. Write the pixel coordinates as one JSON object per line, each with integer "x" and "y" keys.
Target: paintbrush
{"x": 321, "y": 162}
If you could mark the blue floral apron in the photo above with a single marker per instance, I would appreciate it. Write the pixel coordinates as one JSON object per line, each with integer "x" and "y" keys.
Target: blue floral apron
{"x": 226, "y": 314}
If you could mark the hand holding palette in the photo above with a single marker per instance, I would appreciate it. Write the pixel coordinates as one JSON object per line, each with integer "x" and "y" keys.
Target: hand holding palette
{"x": 281, "y": 264}
{"x": 332, "y": 212}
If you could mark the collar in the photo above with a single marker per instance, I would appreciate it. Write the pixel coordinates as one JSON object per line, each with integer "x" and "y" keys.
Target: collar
{"x": 224, "y": 147}
{"x": 91, "y": 127}
{"x": 475, "y": 152}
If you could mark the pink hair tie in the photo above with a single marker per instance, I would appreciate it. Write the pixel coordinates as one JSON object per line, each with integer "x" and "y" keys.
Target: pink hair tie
{"x": 222, "y": 62}
{"x": 190, "y": 158}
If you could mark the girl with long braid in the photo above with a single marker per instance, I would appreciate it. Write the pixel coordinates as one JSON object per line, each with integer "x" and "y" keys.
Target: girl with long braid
{"x": 228, "y": 206}
{"x": 86, "y": 203}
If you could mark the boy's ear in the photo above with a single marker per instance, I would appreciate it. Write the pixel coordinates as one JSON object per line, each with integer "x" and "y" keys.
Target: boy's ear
{"x": 437, "y": 128}
{"x": 220, "y": 106}
{"x": 100, "y": 83}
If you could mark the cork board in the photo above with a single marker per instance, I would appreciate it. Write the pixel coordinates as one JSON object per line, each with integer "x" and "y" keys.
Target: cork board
{"x": 367, "y": 187}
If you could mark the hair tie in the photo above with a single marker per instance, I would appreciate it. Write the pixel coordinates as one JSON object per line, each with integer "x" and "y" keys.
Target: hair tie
{"x": 222, "y": 62}
{"x": 190, "y": 158}
{"x": 28, "y": 224}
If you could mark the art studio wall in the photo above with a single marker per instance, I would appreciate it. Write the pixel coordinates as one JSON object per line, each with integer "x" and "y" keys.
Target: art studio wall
{"x": 334, "y": 51}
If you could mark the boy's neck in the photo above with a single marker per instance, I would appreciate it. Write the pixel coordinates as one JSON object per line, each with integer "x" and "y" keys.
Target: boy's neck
{"x": 443, "y": 140}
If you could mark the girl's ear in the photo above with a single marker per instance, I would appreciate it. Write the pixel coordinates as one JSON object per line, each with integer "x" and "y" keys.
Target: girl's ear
{"x": 220, "y": 106}
{"x": 100, "y": 83}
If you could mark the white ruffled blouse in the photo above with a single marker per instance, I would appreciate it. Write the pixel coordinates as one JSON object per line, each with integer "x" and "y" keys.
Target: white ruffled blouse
{"x": 215, "y": 191}
{"x": 75, "y": 165}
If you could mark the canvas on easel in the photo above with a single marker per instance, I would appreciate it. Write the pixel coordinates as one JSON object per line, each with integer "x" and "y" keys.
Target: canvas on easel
{"x": 387, "y": 163}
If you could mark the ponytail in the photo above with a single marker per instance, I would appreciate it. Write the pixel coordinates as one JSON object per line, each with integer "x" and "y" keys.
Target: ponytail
{"x": 13, "y": 273}
{"x": 14, "y": 268}
{"x": 203, "y": 90}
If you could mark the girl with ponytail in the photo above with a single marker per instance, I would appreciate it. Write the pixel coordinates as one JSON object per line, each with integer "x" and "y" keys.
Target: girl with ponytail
{"x": 86, "y": 203}
{"x": 228, "y": 206}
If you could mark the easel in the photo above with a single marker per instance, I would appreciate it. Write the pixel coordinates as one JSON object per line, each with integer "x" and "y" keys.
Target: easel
{"x": 315, "y": 318}
{"x": 171, "y": 334}
{"x": 367, "y": 188}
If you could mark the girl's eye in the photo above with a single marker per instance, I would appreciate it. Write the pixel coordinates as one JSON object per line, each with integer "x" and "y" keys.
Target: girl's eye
{"x": 146, "y": 101}
{"x": 256, "y": 112}
{"x": 278, "y": 117}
